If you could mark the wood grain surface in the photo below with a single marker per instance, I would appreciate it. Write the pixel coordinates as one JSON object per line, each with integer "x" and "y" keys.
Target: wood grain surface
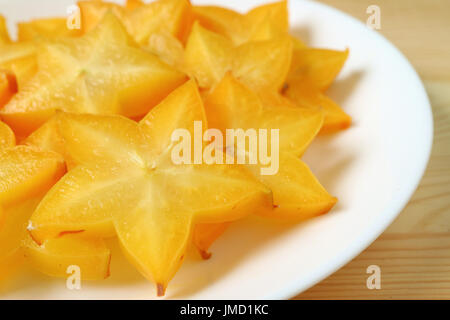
{"x": 414, "y": 252}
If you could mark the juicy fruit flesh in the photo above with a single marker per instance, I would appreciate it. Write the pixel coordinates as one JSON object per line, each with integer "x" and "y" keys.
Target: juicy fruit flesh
{"x": 232, "y": 105}
{"x": 54, "y": 257}
{"x": 129, "y": 170}
{"x": 25, "y": 172}
{"x": 101, "y": 72}
{"x": 260, "y": 23}
{"x": 297, "y": 195}
{"x": 319, "y": 66}
{"x": 261, "y": 65}
{"x": 142, "y": 20}
{"x": 47, "y": 28}
{"x": 7, "y": 138}
{"x": 306, "y": 95}
{"x": 84, "y": 173}
{"x": 14, "y": 227}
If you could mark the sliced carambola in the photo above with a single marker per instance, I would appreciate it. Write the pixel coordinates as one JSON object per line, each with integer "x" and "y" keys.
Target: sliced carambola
{"x": 267, "y": 21}
{"x": 102, "y": 72}
{"x": 128, "y": 178}
{"x": 12, "y": 232}
{"x": 173, "y": 16}
{"x": 232, "y": 105}
{"x": 223, "y": 21}
{"x": 261, "y": 23}
{"x": 48, "y": 138}
{"x": 55, "y": 257}
{"x": 297, "y": 195}
{"x": 318, "y": 66}
{"x": 168, "y": 48}
{"x": 45, "y": 28}
{"x": 208, "y": 56}
{"x": 19, "y": 59}
{"x": 261, "y": 65}
{"x": 307, "y": 95}
{"x": 26, "y": 171}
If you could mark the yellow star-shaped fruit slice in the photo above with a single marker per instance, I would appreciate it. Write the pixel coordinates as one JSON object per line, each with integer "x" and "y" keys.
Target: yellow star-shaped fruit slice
{"x": 142, "y": 20}
{"x": 127, "y": 183}
{"x": 262, "y": 65}
{"x": 305, "y": 94}
{"x": 16, "y": 59}
{"x": 261, "y": 23}
{"x": 45, "y": 28}
{"x": 232, "y": 105}
{"x": 101, "y": 73}
{"x": 312, "y": 71}
{"x": 318, "y": 66}
{"x": 297, "y": 195}
{"x": 26, "y": 173}
{"x": 54, "y": 256}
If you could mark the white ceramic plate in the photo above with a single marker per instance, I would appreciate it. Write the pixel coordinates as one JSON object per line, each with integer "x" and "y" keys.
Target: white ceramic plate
{"x": 373, "y": 168}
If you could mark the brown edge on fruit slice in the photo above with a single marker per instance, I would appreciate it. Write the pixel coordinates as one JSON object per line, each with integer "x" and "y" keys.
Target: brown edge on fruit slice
{"x": 108, "y": 271}
{"x": 205, "y": 254}
{"x": 160, "y": 290}
{"x": 63, "y": 233}
{"x": 39, "y": 243}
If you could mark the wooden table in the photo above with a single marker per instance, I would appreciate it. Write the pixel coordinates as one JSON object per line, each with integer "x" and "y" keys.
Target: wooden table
{"x": 414, "y": 252}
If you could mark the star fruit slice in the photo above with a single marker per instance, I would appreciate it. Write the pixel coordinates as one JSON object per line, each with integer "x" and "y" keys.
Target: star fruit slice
{"x": 16, "y": 59}
{"x": 208, "y": 56}
{"x": 168, "y": 48}
{"x": 261, "y": 23}
{"x": 12, "y": 232}
{"x": 223, "y": 21}
{"x": 318, "y": 66}
{"x": 297, "y": 195}
{"x": 54, "y": 256}
{"x": 267, "y": 21}
{"x": 232, "y": 105}
{"x": 45, "y": 28}
{"x": 101, "y": 73}
{"x": 26, "y": 171}
{"x": 305, "y": 94}
{"x": 262, "y": 65}
{"x": 173, "y": 16}
{"x": 19, "y": 58}
{"x": 128, "y": 182}
{"x": 48, "y": 138}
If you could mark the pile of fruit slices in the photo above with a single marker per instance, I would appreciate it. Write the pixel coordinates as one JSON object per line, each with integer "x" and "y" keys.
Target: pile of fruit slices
{"x": 87, "y": 117}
